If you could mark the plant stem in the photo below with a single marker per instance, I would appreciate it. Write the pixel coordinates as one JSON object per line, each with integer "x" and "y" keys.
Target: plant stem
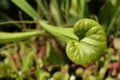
{"x": 81, "y": 8}
{"x": 113, "y": 19}
{"x": 65, "y": 34}
{"x": 55, "y": 11}
{"x": 67, "y": 9}
{"x": 13, "y": 22}
{"x": 42, "y": 8}
{"x": 105, "y": 66}
{"x": 11, "y": 37}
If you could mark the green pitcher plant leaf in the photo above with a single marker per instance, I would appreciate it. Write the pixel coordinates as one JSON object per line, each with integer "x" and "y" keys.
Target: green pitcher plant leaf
{"x": 91, "y": 44}
{"x": 86, "y": 41}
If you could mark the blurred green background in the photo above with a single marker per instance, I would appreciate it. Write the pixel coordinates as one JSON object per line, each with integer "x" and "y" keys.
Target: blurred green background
{"x": 44, "y": 57}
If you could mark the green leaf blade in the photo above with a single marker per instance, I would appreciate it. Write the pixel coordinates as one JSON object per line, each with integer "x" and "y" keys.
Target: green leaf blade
{"x": 26, "y": 8}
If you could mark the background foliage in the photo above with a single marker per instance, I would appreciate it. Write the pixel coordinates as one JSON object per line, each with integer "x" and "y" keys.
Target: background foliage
{"x": 43, "y": 57}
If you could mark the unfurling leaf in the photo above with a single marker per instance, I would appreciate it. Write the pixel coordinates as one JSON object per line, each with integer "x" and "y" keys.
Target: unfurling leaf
{"x": 91, "y": 44}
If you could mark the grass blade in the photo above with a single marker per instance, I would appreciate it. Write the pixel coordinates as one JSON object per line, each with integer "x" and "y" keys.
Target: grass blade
{"x": 26, "y": 8}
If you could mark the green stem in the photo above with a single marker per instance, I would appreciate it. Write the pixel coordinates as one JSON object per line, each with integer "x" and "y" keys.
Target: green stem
{"x": 11, "y": 37}
{"x": 81, "y": 8}
{"x": 105, "y": 66}
{"x": 113, "y": 19}
{"x": 42, "y": 8}
{"x": 55, "y": 11}
{"x": 13, "y": 22}
{"x": 65, "y": 34}
{"x": 67, "y": 9}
